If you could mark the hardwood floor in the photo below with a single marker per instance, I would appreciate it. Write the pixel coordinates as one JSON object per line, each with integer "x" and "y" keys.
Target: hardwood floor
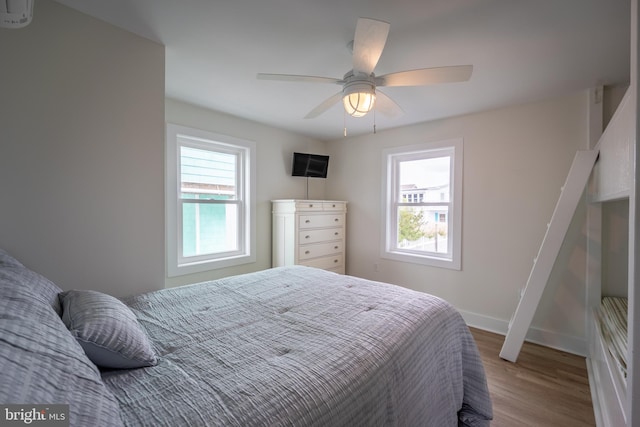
{"x": 545, "y": 388}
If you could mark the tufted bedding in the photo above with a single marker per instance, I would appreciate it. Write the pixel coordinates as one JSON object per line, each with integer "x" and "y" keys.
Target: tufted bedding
{"x": 301, "y": 346}
{"x": 291, "y": 346}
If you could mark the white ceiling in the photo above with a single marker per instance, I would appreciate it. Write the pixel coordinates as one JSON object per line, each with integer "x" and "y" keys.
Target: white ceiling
{"x": 521, "y": 51}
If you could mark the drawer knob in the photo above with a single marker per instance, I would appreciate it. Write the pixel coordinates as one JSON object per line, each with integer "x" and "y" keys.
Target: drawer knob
{"x": 307, "y": 252}
{"x": 335, "y": 260}
{"x": 307, "y": 221}
{"x": 307, "y": 237}
{"x": 335, "y": 247}
{"x": 336, "y": 233}
{"x": 337, "y": 219}
{"x": 310, "y": 205}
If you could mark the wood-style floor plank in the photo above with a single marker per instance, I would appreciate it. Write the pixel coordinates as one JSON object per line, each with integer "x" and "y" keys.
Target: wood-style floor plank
{"x": 545, "y": 388}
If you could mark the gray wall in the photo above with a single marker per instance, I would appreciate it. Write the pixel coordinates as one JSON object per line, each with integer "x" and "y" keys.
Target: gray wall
{"x": 82, "y": 152}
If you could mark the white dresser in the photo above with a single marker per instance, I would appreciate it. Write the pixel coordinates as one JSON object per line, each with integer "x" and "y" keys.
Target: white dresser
{"x": 309, "y": 232}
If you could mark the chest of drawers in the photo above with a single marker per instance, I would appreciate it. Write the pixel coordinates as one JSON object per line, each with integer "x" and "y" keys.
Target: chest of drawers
{"x": 309, "y": 232}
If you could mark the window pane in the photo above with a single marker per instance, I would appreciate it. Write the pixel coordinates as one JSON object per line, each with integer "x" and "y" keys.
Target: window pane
{"x": 425, "y": 180}
{"x": 207, "y": 174}
{"x": 423, "y": 229}
{"x": 209, "y": 228}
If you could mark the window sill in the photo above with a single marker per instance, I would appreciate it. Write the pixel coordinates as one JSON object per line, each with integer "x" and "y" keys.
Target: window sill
{"x": 207, "y": 265}
{"x": 431, "y": 261}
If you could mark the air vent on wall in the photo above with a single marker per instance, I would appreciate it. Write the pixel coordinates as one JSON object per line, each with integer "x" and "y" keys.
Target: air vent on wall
{"x": 15, "y": 13}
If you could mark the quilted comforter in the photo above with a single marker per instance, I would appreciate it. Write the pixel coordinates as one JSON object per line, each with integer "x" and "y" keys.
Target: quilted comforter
{"x": 296, "y": 346}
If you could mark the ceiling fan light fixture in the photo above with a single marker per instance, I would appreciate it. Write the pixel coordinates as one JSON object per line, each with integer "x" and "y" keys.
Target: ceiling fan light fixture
{"x": 358, "y": 98}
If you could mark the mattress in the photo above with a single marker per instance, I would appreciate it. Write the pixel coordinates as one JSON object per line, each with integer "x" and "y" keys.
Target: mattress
{"x": 297, "y": 346}
{"x": 612, "y": 319}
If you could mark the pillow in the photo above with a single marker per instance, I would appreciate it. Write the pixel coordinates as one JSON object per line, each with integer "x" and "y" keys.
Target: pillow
{"x": 7, "y": 260}
{"x": 41, "y": 362}
{"x": 13, "y": 274}
{"x": 107, "y": 330}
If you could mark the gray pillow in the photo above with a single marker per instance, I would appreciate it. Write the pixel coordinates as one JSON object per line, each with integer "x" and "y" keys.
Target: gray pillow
{"x": 7, "y": 260}
{"x": 14, "y": 274}
{"x": 107, "y": 330}
{"x": 39, "y": 359}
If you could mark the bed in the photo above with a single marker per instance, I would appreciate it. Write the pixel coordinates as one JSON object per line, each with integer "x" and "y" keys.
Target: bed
{"x": 608, "y": 360}
{"x": 612, "y": 324}
{"x": 289, "y": 346}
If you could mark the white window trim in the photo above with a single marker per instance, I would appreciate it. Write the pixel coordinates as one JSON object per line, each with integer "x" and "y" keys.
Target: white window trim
{"x": 176, "y": 265}
{"x": 389, "y": 221}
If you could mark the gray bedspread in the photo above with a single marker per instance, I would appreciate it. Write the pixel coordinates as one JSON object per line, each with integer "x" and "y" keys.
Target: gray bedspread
{"x": 296, "y": 346}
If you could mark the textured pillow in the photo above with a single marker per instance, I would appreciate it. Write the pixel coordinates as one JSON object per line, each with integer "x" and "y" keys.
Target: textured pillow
{"x": 107, "y": 330}
{"x": 14, "y": 274}
{"x": 40, "y": 362}
{"x": 7, "y": 260}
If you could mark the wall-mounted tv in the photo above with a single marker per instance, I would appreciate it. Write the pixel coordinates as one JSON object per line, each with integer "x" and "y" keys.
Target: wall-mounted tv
{"x": 310, "y": 165}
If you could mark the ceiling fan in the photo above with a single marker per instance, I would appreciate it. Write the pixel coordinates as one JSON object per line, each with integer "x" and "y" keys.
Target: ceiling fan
{"x": 359, "y": 85}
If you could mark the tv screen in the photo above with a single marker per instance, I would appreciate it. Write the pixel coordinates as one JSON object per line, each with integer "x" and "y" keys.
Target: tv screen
{"x": 310, "y": 165}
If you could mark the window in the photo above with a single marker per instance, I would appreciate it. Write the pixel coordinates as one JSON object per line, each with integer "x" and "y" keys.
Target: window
{"x": 423, "y": 205}
{"x": 210, "y": 184}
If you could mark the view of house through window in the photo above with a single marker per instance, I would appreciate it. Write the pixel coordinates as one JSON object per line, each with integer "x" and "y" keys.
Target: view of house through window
{"x": 422, "y": 215}
{"x": 207, "y": 183}
{"x": 423, "y": 208}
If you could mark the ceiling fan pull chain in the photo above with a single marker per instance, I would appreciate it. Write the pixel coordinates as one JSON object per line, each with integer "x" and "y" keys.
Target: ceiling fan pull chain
{"x": 374, "y": 120}
{"x": 344, "y": 118}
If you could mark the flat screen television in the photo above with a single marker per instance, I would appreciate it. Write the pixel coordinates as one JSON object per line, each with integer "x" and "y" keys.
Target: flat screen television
{"x": 310, "y": 165}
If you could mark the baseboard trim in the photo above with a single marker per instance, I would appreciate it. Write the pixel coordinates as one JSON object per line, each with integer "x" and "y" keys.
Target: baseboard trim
{"x": 563, "y": 342}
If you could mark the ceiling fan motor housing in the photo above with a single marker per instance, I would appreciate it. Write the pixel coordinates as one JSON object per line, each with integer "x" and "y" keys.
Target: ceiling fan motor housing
{"x": 360, "y": 82}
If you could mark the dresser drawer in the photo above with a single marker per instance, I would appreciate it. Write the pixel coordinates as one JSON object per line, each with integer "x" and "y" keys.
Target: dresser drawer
{"x": 320, "y": 206}
{"x": 330, "y": 262}
{"x": 334, "y": 206}
{"x": 309, "y": 206}
{"x": 315, "y": 236}
{"x": 319, "y": 250}
{"x": 315, "y": 221}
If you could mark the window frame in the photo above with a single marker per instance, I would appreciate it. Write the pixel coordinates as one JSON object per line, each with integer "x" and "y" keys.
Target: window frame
{"x": 391, "y": 190}
{"x": 245, "y": 151}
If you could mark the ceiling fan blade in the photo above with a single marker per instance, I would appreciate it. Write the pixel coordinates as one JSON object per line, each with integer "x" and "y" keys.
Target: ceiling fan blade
{"x": 328, "y": 103}
{"x": 295, "y": 78}
{"x": 387, "y": 106}
{"x": 371, "y": 36}
{"x": 427, "y": 76}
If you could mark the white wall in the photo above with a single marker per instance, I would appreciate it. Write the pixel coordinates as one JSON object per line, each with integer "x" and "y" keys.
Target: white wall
{"x": 515, "y": 161}
{"x": 81, "y": 152}
{"x": 274, "y": 149}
